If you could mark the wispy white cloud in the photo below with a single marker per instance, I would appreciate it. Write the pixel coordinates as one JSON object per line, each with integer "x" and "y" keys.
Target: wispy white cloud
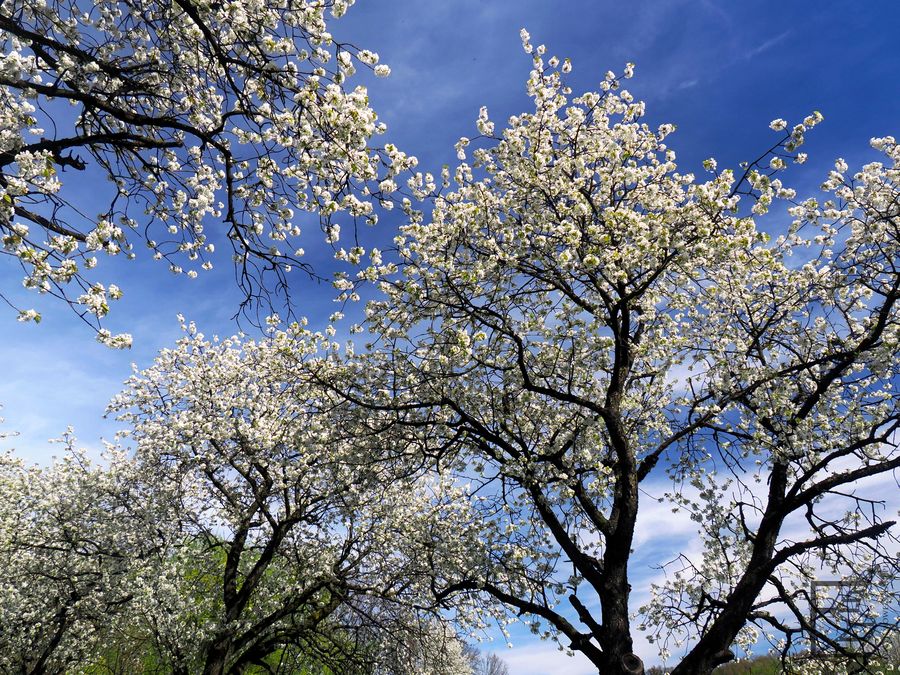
{"x": 767, "y": 45}
{"x": 658, "y": 521}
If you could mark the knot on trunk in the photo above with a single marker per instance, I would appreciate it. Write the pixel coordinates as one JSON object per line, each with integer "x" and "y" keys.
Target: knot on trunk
{"x": 632, "y": 664}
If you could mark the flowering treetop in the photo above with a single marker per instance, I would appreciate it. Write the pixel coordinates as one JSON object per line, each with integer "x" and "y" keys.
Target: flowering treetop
{"x": 69, "y": 534}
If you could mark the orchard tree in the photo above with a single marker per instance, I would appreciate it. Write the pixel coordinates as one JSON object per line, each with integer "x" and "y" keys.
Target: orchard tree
{"x": 214, "y": 122}
{"x": 69, "y": 535}
{"x": 579, "y": 327}
{"x": 290, "y": 531}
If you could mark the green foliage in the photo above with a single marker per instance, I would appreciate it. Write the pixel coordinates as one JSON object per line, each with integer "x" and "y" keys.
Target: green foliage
{"x": 133, "y": 647}
{"x": 329, "y": 654}
{"x": 761, "y": 665}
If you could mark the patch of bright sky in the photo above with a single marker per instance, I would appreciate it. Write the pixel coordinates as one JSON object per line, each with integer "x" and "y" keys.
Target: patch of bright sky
{"x": 720, "y": 70}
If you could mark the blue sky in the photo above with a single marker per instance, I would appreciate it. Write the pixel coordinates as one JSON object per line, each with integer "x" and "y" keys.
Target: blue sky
{"x": 720, "y": 70}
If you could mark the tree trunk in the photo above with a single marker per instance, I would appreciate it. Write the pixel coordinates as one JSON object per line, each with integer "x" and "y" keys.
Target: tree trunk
{"x": 616, "y": 641}
{"x": 217, "y": 657}
{"x": 615, "y": 635}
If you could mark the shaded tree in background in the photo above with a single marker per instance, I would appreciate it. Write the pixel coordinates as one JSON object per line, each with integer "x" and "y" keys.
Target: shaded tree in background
{"x": 485, "y": 664}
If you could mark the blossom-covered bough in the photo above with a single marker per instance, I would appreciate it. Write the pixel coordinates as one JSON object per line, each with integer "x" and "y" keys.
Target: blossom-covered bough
{"x": 205, "y": 123}
{"x": 580, "y": 328}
